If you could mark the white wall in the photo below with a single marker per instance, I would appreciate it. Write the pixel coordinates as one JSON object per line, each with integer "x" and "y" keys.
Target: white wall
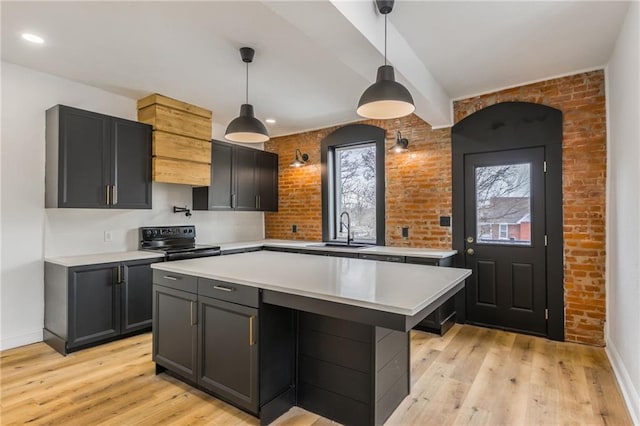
{"x": 623, "y": 284}
{"x": 29, "y": 232}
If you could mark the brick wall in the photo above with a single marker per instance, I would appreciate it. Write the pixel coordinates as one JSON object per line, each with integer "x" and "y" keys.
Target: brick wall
{"x": 581, "y": 98}
{"x": 418, "y": 185}
{"x": 418, "y": 188}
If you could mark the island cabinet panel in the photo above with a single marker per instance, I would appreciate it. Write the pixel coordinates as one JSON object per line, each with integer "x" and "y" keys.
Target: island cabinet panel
{"x": 175, "y": 331}
{"x": 91, "y": 304}
{"x": 350, "y": 372}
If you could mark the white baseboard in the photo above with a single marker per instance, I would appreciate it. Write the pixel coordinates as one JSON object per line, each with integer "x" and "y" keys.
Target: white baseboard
{"x": 629, "y": 392}
{"x": 21, "y": 340}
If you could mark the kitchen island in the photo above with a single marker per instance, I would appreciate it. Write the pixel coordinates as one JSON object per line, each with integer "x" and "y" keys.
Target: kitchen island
{"x": 268, "y": 330}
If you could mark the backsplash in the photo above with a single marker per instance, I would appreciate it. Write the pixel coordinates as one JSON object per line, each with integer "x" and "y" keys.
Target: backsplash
{"x": 82, "y": 231}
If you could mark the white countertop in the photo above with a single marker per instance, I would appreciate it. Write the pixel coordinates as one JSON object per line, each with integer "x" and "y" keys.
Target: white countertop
{"x": 313, "y": 245}
{"x": 386, "y": 286}
{"x": 91, "y": 259}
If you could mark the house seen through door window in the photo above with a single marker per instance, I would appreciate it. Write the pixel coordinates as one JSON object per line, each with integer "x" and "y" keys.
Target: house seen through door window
{"x": 503, "y": 200}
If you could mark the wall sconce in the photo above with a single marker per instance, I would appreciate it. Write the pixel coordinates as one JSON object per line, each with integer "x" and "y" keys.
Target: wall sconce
{"x": 401, "y": 145}
{"x": 301, "y": 159}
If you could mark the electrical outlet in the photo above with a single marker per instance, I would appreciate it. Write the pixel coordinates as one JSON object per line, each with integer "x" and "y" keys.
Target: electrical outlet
{"x": 294, "y": 228}
{"x": 405, "y": 232}
{"x": 108, "y": 236}
{"x": 445, "y": 221}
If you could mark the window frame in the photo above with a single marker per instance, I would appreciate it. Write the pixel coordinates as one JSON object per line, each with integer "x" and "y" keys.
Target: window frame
{"x": 502, "y": 226}
{"x": 349, "y": 136}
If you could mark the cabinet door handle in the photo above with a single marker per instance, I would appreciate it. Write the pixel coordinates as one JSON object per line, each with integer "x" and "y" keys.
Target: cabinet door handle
{"x": 191, "y": 318}
{"x": 107, "y": 191}
{"x": 251, "y": 341}
{"x": 169, "y": 277}
{"x": 257, "y": 202}
{"x": 114, "y": 195}
{"x": 119, "y": 277}
{"x": 223, "y": 288}
{"x": 233, "y": 200}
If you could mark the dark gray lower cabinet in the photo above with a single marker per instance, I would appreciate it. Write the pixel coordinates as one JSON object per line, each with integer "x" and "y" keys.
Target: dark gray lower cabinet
{"x": 443, "y": 318}
{"x": 175, "y": 331}
{"x": 218, "y": 337}
{"x": 94, "y": 308}
{"x": 91, "y": 304}
{"x": 228, "y": 355}
{"x": 135, "y": 294}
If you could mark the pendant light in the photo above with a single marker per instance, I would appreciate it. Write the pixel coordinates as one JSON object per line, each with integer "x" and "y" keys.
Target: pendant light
{"x": 386, "y": 98}
{"x": 246, "y": 127}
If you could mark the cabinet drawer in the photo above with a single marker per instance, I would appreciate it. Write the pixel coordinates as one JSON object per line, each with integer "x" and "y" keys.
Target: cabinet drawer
{"x": 382, "y": 257}
{"x": 236, "y": 293}
{"x": 423, "y": 261}
{"x": 177, "y": 281}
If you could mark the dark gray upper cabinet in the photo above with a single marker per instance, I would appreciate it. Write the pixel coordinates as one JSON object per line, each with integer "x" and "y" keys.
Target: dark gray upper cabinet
{"x": 221, "y": 193}
{"x": 245, "y": 187}
{"x": 96, "y": 161}
{"x": 241, "y": 179}
{"x": 267, "y": 181}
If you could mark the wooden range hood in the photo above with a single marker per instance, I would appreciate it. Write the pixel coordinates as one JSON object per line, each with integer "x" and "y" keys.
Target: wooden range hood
{"x": 181, "y": 140}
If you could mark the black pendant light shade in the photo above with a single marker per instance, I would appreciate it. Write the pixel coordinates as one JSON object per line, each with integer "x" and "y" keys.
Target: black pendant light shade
{"x": 386, "y": 98}
{"x": 246, "y": 127}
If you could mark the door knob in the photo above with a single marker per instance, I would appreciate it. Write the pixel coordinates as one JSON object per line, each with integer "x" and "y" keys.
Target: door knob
{"x": 469, "y": 240}
{"x": 471, "y": 251}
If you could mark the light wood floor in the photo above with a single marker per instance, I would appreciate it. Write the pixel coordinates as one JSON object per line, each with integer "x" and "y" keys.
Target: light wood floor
{"x": 471, "y": 376}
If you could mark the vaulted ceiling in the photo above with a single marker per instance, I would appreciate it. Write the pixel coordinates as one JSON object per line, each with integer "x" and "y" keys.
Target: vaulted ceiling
{"x": 313, "y": 58}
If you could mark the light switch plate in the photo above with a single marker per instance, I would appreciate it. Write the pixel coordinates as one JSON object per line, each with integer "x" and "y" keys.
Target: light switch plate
{"x": 108, "y": 236}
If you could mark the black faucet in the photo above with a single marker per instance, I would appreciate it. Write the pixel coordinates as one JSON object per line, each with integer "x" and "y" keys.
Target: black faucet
{"x": 347, "y": 225}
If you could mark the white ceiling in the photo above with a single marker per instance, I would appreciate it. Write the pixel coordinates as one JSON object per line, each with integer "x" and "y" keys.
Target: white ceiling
{"x": 313, "y": 58}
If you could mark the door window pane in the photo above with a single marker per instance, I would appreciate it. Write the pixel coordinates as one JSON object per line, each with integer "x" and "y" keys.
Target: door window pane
{"x": 503, "y": 204}
{"x": 355, "y": 191}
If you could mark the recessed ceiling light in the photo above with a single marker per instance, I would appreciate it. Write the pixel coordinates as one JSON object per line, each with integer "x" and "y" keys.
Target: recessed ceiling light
{"x": 271, "y": 120}
{"x": 33, "y": 38}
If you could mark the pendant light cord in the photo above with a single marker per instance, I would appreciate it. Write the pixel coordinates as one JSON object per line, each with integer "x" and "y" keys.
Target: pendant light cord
{"x": 246, "y": 91}
{"x": 385, "y": 38}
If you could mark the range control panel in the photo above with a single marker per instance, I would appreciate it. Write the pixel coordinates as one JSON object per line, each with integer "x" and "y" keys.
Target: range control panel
{"x": 155, "y": 233}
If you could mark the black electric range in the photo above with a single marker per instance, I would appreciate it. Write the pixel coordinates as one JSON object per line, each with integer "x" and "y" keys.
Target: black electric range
{"x": 176, "y": 242}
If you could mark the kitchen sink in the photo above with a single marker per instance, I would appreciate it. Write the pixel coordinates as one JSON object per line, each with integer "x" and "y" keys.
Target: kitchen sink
{"x": 341, "y": 245}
